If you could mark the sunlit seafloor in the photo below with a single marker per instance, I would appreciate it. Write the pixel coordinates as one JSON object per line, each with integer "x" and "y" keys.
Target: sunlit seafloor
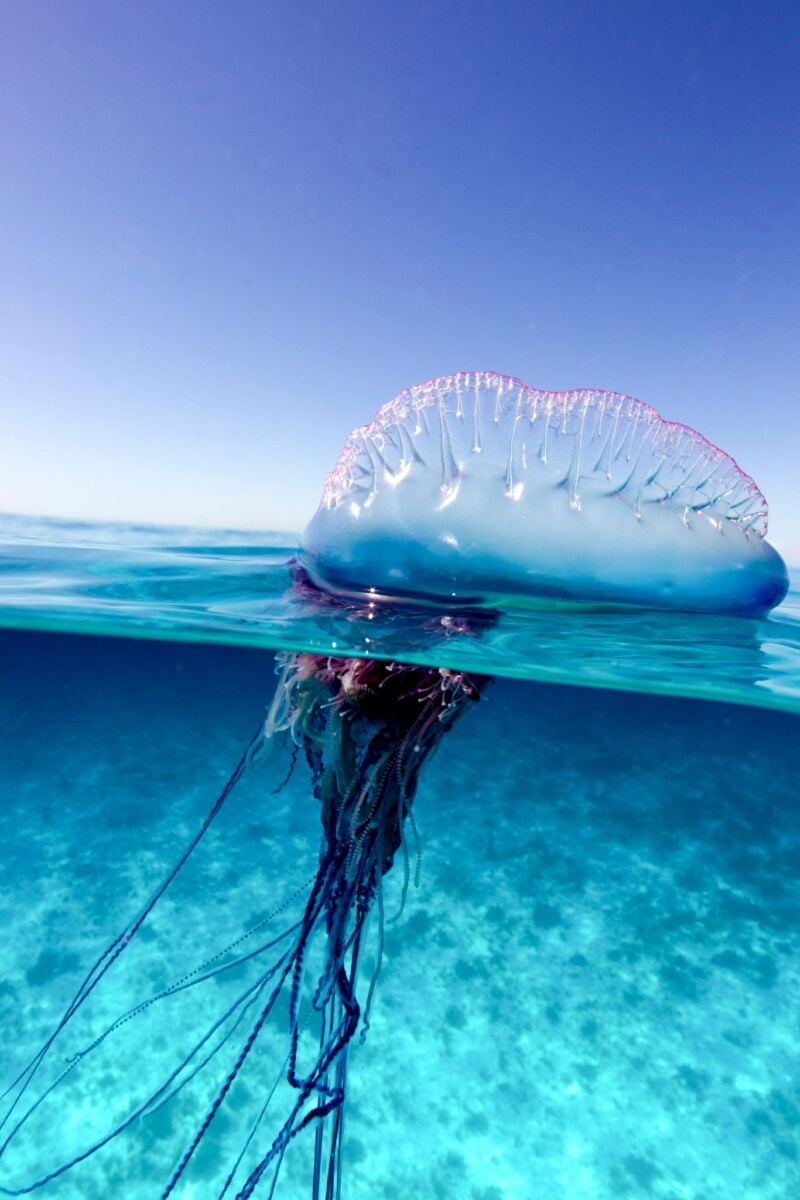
{"x": 593, "y": 992}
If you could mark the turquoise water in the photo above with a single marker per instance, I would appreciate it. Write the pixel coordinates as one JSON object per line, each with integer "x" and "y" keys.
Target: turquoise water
{"x": 234, "y": 588}
{"x": 593, "y": 991}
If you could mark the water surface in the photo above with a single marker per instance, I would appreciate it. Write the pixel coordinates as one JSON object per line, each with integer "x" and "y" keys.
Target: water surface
{"x": 235, "y": 588}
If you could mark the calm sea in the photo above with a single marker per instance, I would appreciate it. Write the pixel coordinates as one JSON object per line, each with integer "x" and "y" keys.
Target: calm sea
{"x": 593, "y": 990}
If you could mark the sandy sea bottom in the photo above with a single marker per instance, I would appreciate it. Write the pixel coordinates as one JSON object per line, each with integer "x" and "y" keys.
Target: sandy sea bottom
{"x": 594, "y": 993}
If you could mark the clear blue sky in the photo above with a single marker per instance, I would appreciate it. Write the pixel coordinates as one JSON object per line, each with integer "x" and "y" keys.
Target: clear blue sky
{"x": 231, "y": 230}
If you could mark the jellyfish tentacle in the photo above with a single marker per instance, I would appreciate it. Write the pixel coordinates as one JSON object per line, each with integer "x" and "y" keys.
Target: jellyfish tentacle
{"x": 189, "y": 980}
{"x": 418, "y": 847}
{"x": 293, "y": 967}
{"x": 116, "y": 947}
{"x": 313, "y": 908}
{"x": 290, "y": 770}
{"x": 319, "y": 1135}
{"x": 245, "y": 1001}
{"x": 153, "y": 1102}
{"x": 365, "y": 729}
{"x": 373, "y": 983}
{"x": 406, "y": 869}
{"x": 252, "y": 1132}
{"x": 201, "y": 973}
{"x": 344, "y": 1032}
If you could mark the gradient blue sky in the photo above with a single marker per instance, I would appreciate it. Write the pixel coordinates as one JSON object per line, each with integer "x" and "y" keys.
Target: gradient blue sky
{"x": 231, "y": 230}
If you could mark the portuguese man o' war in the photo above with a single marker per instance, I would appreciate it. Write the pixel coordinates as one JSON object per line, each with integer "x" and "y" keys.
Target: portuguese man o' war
{"x": 464, "y": 495}
{"x": 476, "y": 488}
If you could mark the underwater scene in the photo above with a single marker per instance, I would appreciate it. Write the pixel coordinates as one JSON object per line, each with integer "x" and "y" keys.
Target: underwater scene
{"x": 549, "y": 949}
